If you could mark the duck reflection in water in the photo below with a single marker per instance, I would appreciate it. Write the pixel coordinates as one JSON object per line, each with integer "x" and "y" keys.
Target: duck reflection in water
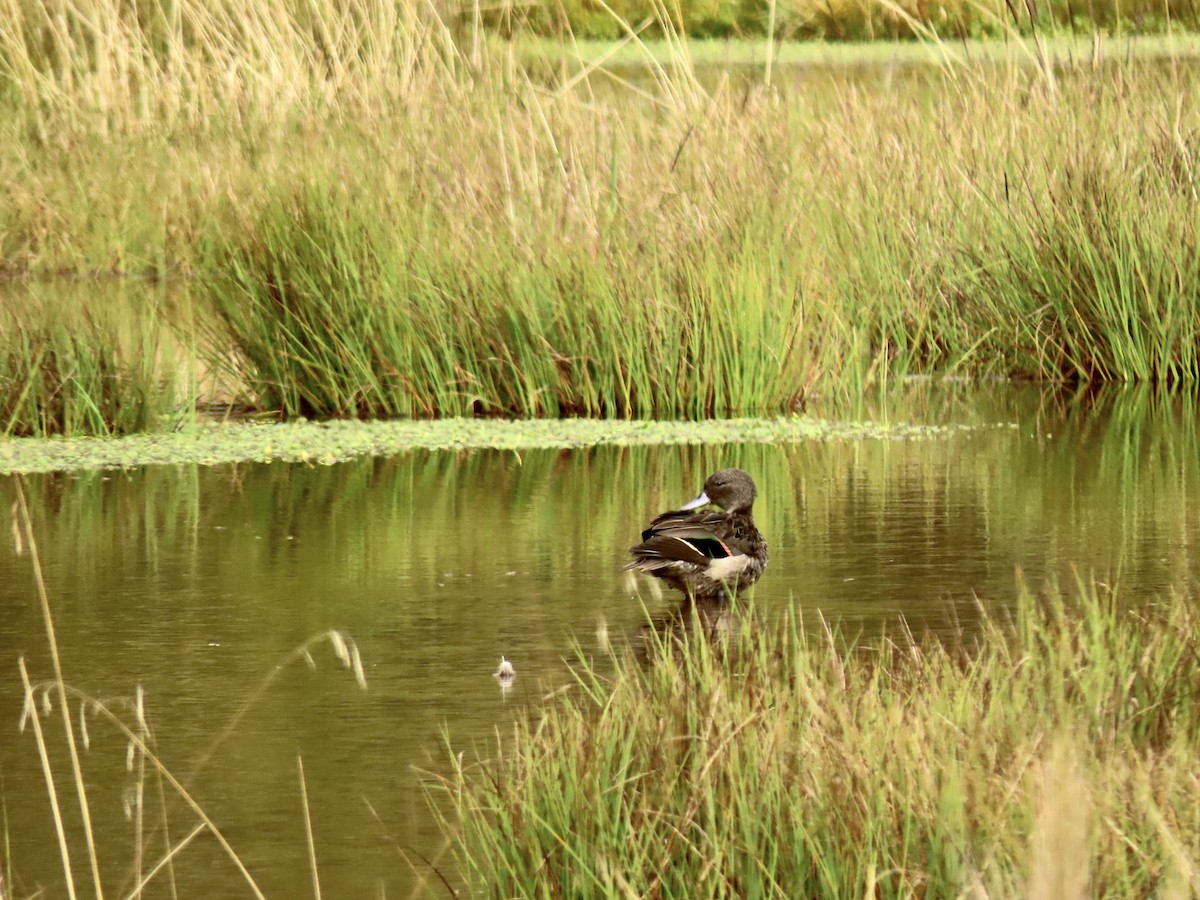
{"x": 707, "y": 554}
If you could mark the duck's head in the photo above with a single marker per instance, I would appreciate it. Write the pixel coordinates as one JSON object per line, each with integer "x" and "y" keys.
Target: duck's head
{"x": 731, "y": 489}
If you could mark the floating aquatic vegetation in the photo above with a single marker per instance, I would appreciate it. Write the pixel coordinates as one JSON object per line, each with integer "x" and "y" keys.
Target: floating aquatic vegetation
{"x": 325, "y": 443}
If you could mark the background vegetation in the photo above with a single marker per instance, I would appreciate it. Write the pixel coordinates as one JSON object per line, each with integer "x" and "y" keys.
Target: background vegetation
{"x": 387, "y": 211}
{"x": 392, "y": 209}
{"x": 843, "y": 20}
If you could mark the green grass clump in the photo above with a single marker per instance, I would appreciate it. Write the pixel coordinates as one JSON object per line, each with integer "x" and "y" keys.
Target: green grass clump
{"x": 695, "y": 252}
{"x": 70, "y": 366}
{"x": 1055, "y": 757}
{"x": 1096, "y": 286}
{"x": 338, "y": 306}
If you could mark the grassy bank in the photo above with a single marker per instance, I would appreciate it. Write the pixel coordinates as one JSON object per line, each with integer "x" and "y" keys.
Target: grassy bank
{"x": 843, "y": 20}
{"x": 1055, "y": 756}
{"x": 1062, "y": 49}
{"x": 384, "y": 213}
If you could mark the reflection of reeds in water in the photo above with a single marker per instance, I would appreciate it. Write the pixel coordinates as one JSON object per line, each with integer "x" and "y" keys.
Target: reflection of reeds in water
{"x": 128, "y": 719}
{"x": 773, "y": 761}
{"x": 1106, "y": 483}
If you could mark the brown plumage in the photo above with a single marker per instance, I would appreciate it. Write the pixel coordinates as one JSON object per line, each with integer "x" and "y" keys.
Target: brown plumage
{"x": 706, "y": 553}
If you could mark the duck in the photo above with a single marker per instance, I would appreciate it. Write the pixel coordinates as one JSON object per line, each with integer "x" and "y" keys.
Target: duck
{"x": 706, "y": 554}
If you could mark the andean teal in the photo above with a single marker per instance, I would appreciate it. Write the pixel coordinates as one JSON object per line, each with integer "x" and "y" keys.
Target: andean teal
{"x": 706, "y": 553}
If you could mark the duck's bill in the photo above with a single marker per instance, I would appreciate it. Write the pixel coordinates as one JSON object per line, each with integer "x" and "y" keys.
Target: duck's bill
{"x": 702, "y": 500}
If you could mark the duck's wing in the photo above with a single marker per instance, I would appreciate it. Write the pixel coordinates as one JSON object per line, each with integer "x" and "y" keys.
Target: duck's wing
{"x": 682, "y": 523}
{"x": 694, "y": 537}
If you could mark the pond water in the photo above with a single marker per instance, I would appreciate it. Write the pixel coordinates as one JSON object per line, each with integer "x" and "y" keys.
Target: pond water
{"x": 197, "y": 583}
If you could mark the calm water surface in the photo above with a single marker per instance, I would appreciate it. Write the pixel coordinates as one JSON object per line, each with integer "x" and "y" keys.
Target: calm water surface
{"x": 197, "y": 583}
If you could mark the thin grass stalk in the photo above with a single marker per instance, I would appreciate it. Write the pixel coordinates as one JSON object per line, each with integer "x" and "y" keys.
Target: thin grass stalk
{"x": 169, "y": 851}
{"x": 181, "y": 791}
{"x": 64, "y": 849}
{"x": 770, "y": 42}
{"x": 143, "y": 727}
{"x": 140, "y": 795}
{"x": 308, "y": 831}
{"x": 61, "y": 687}
{"x": 421, "y": 875}
{"x": 343, "y": 646}
{"x": 166, "y": 862}
{"x": 6, "y": 875}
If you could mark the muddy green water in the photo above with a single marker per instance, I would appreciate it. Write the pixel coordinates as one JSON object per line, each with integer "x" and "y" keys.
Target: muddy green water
{"x": 195, "y": 583}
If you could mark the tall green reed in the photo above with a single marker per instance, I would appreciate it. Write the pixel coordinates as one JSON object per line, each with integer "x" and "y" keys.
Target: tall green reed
{"x": 336, "y": 314}
{"x": 1061, "y": 277}
{"x": 1094, "y": 284}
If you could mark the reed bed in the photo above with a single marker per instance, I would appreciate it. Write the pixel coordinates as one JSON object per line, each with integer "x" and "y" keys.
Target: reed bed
{"x": 732, "y": 252}
{"x": 388, "y": 211}
{"x": 1055, "y": 756}
{"x": 335, "y": 316}
{"x": 69, "y": 365}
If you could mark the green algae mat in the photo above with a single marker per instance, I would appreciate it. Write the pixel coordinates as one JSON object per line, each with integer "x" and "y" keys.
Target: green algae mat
{"x": 326, "y": 443}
